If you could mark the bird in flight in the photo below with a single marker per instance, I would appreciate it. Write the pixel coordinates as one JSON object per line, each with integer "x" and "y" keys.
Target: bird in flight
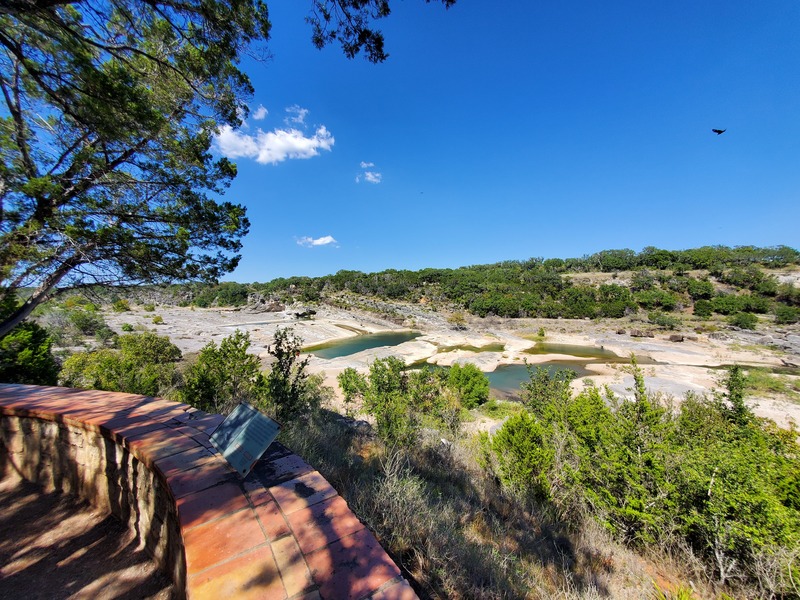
{"x": 719, "y": 131}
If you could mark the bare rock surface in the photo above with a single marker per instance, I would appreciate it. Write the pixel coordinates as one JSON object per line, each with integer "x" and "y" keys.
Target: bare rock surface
{"x": 692, "y": 365}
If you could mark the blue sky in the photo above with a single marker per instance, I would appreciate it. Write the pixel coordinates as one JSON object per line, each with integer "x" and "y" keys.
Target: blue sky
{"x": 515, "y": 129}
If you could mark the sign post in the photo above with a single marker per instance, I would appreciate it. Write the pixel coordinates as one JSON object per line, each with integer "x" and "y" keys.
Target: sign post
{"x": 243, "y": 437}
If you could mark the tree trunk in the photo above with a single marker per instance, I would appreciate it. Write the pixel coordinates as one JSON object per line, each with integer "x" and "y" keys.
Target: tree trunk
{"x": 39, "y": 295}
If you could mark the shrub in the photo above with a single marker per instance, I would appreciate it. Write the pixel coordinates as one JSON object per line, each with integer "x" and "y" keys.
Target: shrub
{"x": 457, "y": 320}
{"x": 287, "y": 382}
{"x": 744, "y": 320}
{"x": 786, "y": 314}
{"x": 149, "y": 307}
{"x": 158, "y": 320}
{"x": 121, "y": 305}
{"x": 25, "y": 356}
{"x": 701, "y": 289}
{"x": 105, "y": 335}
{"x": 655, "y": 298}
{"x": 663, "y": 320}
{"x": 143, "y": 364}
{"x": 546, "y": 392}
{"x": 470, "y": 385}
{"x": 703, "y": 308}
{"x": 86, "y": 322}
{"x": 726, "y": 304}
{"x": 755, "y": 304}
{"x": 523, "y": 456}
{"x": 394, "y": 398}
{"x": 127, "y": 327}
{"x": 224, "y": 375}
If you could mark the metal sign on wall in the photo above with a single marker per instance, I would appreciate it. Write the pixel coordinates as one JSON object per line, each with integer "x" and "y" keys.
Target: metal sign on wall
{"x": 243, "y": 437}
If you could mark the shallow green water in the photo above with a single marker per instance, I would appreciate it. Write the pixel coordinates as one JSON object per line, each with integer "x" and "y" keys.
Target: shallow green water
{"x": 575, "y": 350}
{"x": 606, "y": 356}
{"x": 507, "y": 378}
{"x": 496, "y": 347}
{"x": 361, "y": 342}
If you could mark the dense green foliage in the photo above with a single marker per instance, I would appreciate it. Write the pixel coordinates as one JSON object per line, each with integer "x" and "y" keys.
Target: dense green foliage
{"x": 220, "y": 376}
{"x": 656, "y": 281}
{"x": 744, "y": 320}
{"x": 469, "y": 384}
{"x": 25, "y": 355}
{"x": 403, "y": 401}
{"x": 223, "y": 294}
{"x": 710, "y": 476}
{"x": 224, "y": 375}
{"x": 143, "y": 364}
{"x": 735, "y": 283}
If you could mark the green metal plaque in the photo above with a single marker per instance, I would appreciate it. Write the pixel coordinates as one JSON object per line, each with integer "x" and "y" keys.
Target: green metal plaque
{"x": 243, "y": 437}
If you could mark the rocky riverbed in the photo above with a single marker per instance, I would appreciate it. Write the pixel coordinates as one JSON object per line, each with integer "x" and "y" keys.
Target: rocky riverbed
{"x": 685, "y": 361}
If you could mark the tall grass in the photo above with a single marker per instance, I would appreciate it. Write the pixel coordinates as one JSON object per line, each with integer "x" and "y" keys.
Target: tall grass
{"x": 450, "y": 527}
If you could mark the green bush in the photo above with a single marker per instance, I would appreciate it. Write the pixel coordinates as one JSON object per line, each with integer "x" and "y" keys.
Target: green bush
{"x": 25, "y": 356}
{"x": 655, "y": 298}
{"x": 546, "y": 392}
{"x": 723, "y": 482}
{"x": 224, "y": 294}
{"x": 224, "y": 375}
{"x": 524, "y": 456}
{"x": 86, "y": 322}
{"x": 726, "y": 304}
{"x": 287, "y": 383}
{"x": 25, "y": 352}
{"x": 149, "y": 307}
{"x": 786, "y": 314}
{"x": 703, "y": 309}
{"x": 663, "y": 320}
{"x": 158, "y": 320}
{"x": 469, "y": 383}
{"x": 143, "y": 364}
{"x": 701, "y": 289}
{"x": 387, "y": 398}
{"x": 755, "y": 304}
{"x": 401, "y": 402}
{"x": 127, "y": 327}
{"x": 744, "y": 320}
{"x": 121, "y": 305}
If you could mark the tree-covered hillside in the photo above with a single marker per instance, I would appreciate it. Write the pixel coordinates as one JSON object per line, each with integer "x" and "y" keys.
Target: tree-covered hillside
{"x": 709, "y": 280}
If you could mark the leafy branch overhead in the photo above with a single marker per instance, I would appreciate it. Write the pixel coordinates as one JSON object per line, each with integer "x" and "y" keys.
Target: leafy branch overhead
{"x": 349, "y": 22}
{"x": 109, "y": 108}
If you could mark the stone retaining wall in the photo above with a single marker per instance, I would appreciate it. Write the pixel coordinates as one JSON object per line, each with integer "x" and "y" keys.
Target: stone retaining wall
{"x": 283, "y": 532}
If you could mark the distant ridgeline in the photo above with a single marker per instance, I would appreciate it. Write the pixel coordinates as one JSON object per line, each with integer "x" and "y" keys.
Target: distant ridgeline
{"x": 711, "y": 279}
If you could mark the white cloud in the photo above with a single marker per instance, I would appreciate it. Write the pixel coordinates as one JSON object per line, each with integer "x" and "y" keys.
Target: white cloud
{"x": 309, "y": 242}
{"x": 372, "y": 177}
{"x": 297, "y": 115}
{"x": 272, "y": 147}
{"x": 368, "y": 176}
{"x": 260, "y": 113}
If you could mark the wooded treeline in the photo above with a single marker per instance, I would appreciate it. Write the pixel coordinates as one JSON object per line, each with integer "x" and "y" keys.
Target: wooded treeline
{"x": 712, "y": 279}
